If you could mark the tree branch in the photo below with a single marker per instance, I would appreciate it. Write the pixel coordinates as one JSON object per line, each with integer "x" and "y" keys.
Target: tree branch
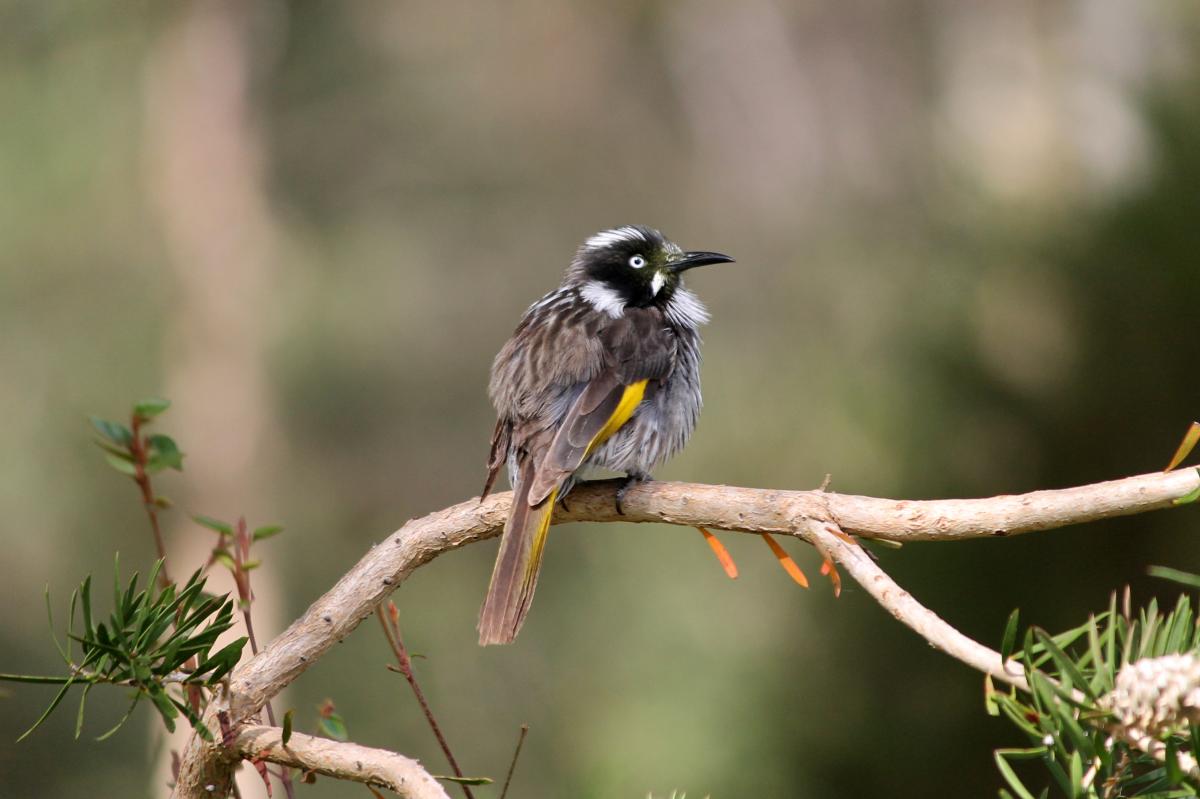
{"x": 923, "y": 621}
{"x": 800, "y": 513}
{"x": 344, "y": 761}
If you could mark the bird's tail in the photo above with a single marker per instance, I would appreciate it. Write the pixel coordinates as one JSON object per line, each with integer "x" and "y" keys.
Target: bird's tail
{"x": 517, "y": 565}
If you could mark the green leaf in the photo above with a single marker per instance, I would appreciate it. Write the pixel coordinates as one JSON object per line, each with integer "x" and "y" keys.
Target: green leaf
{"x": 1185, "y": 446}
{"x": 1009, "y": 775}
{"x": 101, "y": 643}
{"x": 166, "y": 454}
{"x": 1188, "y": 498}
{"x": 1175, "y": 576}
{"x": 79, "y": 713}
{"x": 216, "y": 525}
{"x": 287, "y": 727}
{"x": 464, "y": 780}
{"x": 1176, "y": 636}
{"x": 113, "y": 449}
{"x": 1110, "y": 646}
{"x": 333, "y": 726}
{"x": 137, "y": 697}
{"x": 225, "y": 559}
{"x": 223, "y": 661}
{"x": 121, "y": 465}
{"x": 53, "y": 636}
{"x": 150, "y": 407}
{"x": 166, "y": 708}
{"x": 114, "y": 432}
{"x": 1174, "y": 770}
{"x": 1102, "y": 677}
{"x": 1150, "y": 621}
{"x": 85, "y": 601}
{"x": 266, "y": 531}
{"x": 196, "y": 722}
{"x": 1076, "y": 766}
{"x": 1066, "y": 666}
{"x": 1010, "y": 636}
{"x": 989, "y": 696}
{"x": 1016, "y": 713}
{"x": 54, "y": 703}
{"x": 36, "y": 679}
{"x": 71, "y": 621}
{"x": 132, "y": 601}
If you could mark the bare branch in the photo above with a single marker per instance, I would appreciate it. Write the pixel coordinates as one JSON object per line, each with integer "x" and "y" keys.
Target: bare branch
{"x": 946, "y": 638}
{"x": 801, "y": 513}
{"x": 344, "y": 761}
{"x": 758, "y": 510}
{"x": 923, "y": 621}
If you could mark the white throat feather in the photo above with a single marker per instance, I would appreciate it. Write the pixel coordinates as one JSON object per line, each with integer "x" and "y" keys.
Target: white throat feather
{"x": 603, "y": 298}
{"x": 685, "y": 309}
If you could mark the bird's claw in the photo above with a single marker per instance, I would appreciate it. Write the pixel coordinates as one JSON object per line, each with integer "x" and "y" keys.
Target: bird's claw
{"x": 629, "y": 483}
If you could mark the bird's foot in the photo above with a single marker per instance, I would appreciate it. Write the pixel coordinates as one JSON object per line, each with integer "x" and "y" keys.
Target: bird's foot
{"x": 632, "y": 479}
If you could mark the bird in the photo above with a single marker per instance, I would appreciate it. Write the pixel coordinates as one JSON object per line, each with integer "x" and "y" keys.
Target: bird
{"x": 602, "y": 372}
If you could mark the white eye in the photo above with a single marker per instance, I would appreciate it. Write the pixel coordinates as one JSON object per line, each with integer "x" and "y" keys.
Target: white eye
{"x": 637, "y": 262}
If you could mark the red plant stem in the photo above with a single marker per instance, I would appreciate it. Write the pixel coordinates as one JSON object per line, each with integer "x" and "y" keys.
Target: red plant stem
{"x": 137, "y": 448}
{"x": 241, "y": 577}
{"x": 392, "y": 633}
{"x": 513, "y": 765}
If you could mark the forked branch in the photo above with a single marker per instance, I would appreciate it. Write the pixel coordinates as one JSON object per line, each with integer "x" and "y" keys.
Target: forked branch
{"x": 339, "y": 759}
{"x": 815, "y": 516}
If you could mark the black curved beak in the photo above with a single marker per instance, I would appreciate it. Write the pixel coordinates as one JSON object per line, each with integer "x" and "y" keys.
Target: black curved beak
{"x": 691, "y": 260}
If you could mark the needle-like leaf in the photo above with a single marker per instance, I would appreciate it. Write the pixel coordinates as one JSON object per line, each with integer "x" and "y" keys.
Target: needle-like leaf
{"x": 1190, "y": 438}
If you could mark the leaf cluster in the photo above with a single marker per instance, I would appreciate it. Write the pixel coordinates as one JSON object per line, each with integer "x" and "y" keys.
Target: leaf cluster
{"x": 157, "y": 641}
{"x": 1070, "y": 731}
{"x": 121, "y": 444}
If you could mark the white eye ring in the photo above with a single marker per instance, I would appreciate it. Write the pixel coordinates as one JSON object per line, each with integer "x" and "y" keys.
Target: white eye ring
{"x": 637, "y": 262}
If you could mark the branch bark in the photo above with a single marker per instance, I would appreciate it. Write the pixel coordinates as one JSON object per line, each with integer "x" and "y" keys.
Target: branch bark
{"x": 341, "y": 760}
{"x": 908, "y": 611}
{"x": 805, "y": 514}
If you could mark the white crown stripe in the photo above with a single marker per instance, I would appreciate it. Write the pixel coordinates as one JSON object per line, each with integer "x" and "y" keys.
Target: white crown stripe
{"x": 618, "y": 235}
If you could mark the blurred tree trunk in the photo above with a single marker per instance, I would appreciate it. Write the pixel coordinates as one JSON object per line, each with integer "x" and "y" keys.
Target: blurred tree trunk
{"x": 206, "y": 175}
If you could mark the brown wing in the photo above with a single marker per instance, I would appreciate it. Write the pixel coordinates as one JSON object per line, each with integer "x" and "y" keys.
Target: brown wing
{"x": 554, "y": 347}
{"x": 640, "y": 352}
{"x": 501, "y": 437}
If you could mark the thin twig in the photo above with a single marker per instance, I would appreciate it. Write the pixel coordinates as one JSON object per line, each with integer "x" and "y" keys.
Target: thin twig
{"x": 907, "y": 610}
{"x": 391, "y": 631}
{"x": 513, "y": 765}
{"x": 241, "y": 578}
{"x": 941, "y": 635}
{"x": 137, "y": 448}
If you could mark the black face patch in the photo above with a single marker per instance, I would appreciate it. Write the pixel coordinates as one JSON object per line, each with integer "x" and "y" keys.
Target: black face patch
{"x": 614, "y": 261}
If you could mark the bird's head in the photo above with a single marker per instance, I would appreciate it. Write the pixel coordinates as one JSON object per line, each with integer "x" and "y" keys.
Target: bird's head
{"x": 634, "y": 266}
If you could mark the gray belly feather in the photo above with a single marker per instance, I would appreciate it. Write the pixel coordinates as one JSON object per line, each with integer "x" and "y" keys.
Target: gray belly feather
{"x": 662, "y": 425}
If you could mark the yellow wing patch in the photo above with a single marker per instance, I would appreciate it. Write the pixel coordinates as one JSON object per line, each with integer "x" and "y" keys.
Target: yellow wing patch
{"x": 539, "y": 541}
{"x": 632, "y": 397}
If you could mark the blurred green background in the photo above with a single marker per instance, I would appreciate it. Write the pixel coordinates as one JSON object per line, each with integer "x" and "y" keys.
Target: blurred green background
{"x": 967, "y": 239}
